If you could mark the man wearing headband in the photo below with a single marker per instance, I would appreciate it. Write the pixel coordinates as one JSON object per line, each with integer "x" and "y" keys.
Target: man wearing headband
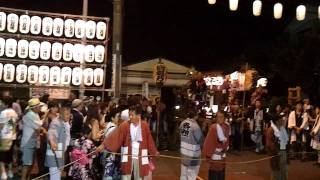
{"x": 30, "y": 132}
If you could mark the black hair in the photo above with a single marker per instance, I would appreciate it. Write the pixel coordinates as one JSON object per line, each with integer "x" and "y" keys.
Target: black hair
{"x": 191, "y": 112}
{"x": 137, "y": 109}
{"x": 112, "y": 114}
{"x": 53, "y": 103}
{"x": 8, "y": 101}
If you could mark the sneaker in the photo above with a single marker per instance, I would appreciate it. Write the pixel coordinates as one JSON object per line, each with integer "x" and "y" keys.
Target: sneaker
{"x": 4, "y": 176}
{"x": 10, "y": 175}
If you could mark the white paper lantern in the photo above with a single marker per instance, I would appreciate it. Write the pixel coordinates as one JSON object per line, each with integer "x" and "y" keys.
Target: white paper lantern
{"x": 98, "y": 77}
{"x": 319, "y": 12}
{"x": 99, "y": 53}
{"x": 55, "y": 75}
{"x": 24, "y": 24}
{"x": 2, "y": 46}
{"x": 76, "y": 76}
{"x": 21, "y": 73}
{"x": 66, "y": 75}
{"x": 11, "y": 47}
{"x": 44, "y": 74}
{"x": 8, "y": 73}
{"x": 34, "y": 50}
{"x": 56, "y": 51}
{"x": 45, "y": 50}
{"x": 80, "y": 27}
{"x": 277, "y": 10}
{"x": 23, "y": 49}
{"x": 212, "y": 2}
{"x": 35, "y": 27}
{"x": 89, "y": 53}
{"x": 88, "y": 76}
{"x": 101, "y": 30}
{"x": 1, "y": 70}
{"x": 47, "y": 26}
{"x": 90, "y": 29}
{"x": 256, "y": 8}
{"x": 67, "y": 52}
{"x": 3, "y": 18}
{"x": 301, "y": 12}
{"x": 57, "y": 27}
{"x": 33, "y": 72}
{"x": 12, "y": 21}
{"x": 78, "y": 53}
{"x": 69, "y": 28}
{"x": 233, "y": 5}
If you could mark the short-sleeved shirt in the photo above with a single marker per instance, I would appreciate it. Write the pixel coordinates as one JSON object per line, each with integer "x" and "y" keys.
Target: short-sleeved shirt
{"x": 31, "y": 123}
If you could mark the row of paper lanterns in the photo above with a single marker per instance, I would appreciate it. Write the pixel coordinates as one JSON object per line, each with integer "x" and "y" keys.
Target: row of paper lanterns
{"x": 57, "y": 51}
{"x": 53, "y": 76}
{"x": 49, "y": 26}
{"x": 277, "y": 9}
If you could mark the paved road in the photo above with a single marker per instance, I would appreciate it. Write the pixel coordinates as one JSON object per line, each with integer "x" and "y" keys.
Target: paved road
{"x": 170, "y": 168}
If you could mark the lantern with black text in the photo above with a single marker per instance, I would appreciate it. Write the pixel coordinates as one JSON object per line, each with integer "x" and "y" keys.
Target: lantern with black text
{"x": 35, "y": 25}
{"x": 56, "y": 51}
{"x": 24, "y": 24}
{"x": 66, "y": 75}
{"x": 55, "y": 75}
{"x": 44, "y": 74}
{"x": 78, "y": 53}
{"x": 98, "y": 77}
{"x": 3, "y": 19}
{"x": 76, "y": 76}
{"x": 80, "y": 26}
{"x": 21, "y": 73}
{"x": 88, "y": 76}
{"x": 8, "y": 73}
{"x": 33, "y": 72}
{"x": 23, "y": 49}
{"x": 45, "y": 50}
{"x": 47, "y": 26}
{"x": 101, "y": 30}
{"x": 34, "y": 50}
{"x": 99, "y": 53}
{"x": 11, "y": 47}
{"x": 69, "y": 28}
{"x": 89, "y": 53}
{"x": 90, "y": 29}
{"x": 160, "y": 73}
{"x": 12, "y": 23}
{"x": 2, "y": 46}
{"x": 67, "y": 52}
{"x": 57, "y": 27}
{"x": 1, "y": 70}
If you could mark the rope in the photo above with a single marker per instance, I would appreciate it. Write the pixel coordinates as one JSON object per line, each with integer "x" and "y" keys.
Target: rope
{"x": 176, "y": 157}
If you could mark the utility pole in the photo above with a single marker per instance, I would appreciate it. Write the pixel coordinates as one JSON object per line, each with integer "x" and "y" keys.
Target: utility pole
{"x": 117, "y": 46}
{"x": 82, "y": 64}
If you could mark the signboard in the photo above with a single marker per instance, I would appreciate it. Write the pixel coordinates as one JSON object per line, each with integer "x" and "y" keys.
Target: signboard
{"x": 160, "y": 73}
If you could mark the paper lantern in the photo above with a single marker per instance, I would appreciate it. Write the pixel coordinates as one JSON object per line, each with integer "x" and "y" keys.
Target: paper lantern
{"x": 34, "y": 50}
{"x": 23, "y": 49}
{"x": 277, "y": 10}
{"x": 301, "y": 12}
{"x": 88, "y": 76}
{"x": 78, "y": 53}
{"x": 319, "y": 12}
{"x": 21, "y": 73}
{"x": 1, "y": 70}
{"x": 33, "y": 72}
{"x": 67, "y": 52}
{"x": 56, "y": 51}
{"x": 90, "y": 29}
{"x": 12, "y": 23}
{"x": 55, "y": 75}
{"x": 45, "y": 50}
{"x": 211, "y": 2}
{"x": 101, "y": 30}
{"x": 76, "y": 76}
{"x": 3, "y": 18}
{"x": 80, "y": 26}
{"x": 24, "y": 24}
{"x": 256, "y": 8}
{"x": 2, "y": 46}
{"x": 98, "y": 77}
{"x": 233, "y": 5}
{"x": 69, "y": 28}
{"x": 57, "y": 27}
{"x": 47, "y": 26}
{"x": 66, "y": 75}
{"x": 8, "y": 73}
{"x": 11, "y": 47}
{"x": 35, "y": 25}
{"x": 99, "y": 53}
{"x": 89, "y": 53}
{"x": 44, "y": 74}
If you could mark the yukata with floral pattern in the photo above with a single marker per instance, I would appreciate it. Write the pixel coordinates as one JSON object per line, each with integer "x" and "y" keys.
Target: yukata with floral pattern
{"x": 82, "y": 169}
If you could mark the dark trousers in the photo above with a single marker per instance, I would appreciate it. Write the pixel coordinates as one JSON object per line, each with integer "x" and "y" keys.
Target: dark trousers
{"x": 216, "y": 175}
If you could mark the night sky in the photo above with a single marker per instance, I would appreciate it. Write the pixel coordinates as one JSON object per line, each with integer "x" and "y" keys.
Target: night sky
{"x": 190, "y": 32}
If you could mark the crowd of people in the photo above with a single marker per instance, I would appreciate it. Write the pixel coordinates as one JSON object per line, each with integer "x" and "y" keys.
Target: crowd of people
{"x": 115, "y": 139}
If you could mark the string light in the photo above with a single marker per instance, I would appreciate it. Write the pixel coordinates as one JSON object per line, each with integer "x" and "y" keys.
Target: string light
{"x": 233, "y": 5}
{"x": 211, "y": 2}
{"x": 301, "y": 12}
{"x": 256, "y": 8}
{"x": 277, "y": 10}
